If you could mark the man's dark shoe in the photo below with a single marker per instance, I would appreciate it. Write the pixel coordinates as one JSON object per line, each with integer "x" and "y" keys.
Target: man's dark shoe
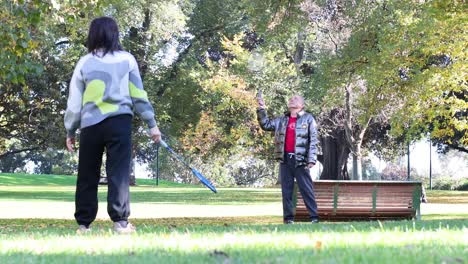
{"x": 314, "y": 221}
{"x": 288, "y": 222}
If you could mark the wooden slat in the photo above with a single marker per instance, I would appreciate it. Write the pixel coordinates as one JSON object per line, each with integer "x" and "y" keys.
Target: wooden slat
{"x": 393, "y": 200}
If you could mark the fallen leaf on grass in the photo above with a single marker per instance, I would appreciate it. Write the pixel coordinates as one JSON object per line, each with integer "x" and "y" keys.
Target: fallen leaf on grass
{"x": 318, "y": 244}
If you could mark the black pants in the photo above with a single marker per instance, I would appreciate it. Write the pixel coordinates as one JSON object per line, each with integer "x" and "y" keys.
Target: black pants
{"x": 113, "y": 134}
{"x": 288, "y": 172}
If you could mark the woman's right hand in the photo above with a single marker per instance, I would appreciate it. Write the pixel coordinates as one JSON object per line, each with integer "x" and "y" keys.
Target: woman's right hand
{"x": 261, "y": 103}
{"x": 155, "y": 134}
{"x": 71, "y": 144}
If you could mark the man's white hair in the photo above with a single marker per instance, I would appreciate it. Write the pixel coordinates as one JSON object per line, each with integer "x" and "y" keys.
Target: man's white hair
{"x": 300, "y": 98}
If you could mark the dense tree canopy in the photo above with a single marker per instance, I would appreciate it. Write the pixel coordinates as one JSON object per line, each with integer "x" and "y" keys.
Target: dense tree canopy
{"x": 375, "y": 73}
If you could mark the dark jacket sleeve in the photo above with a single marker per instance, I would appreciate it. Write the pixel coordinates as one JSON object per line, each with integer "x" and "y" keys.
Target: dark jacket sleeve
{"x": 313, "y": 141}
{"x": 266, "y": 123}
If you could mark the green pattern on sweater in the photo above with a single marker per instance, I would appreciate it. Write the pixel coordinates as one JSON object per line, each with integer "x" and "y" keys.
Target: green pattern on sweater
{"x": 94, "y": 93}
{"x": 137, "y": 93}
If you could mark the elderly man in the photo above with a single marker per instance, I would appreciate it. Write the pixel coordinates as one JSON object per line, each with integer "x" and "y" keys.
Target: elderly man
{"x": 296, "y": 149}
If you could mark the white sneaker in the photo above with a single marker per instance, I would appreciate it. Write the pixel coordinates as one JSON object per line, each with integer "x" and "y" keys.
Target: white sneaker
{"x": 82, "y": 229}
{"x": 119, "y": 228}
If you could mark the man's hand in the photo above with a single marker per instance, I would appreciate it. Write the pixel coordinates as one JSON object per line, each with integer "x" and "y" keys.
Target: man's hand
{"x": 155, "y": 134}
{"x": 310, "y": 165}
{"x": 71, "y": 144}
{"x": 261, "y": 103}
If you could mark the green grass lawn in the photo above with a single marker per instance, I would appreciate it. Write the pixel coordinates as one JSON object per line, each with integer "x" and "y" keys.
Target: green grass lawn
{"x": 438, "y": 238}
{"x": 23, "y": 187}
{"x": 450, "y": 197}
{"x": 17, "y": 179}
{"x": 62, "y": 188}
{"x": 36, "y": 241}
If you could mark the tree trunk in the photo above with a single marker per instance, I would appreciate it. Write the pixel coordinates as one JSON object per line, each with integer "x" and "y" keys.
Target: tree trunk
{"x": 334, "y": 159}
{"x": 357, "y": 167}
{"x": 132, "y": 173}
{"x": 299, "y": 52}
{"x": 343, "y": 163}
{"x": 139, "y": 46}
{"x": 354, "y": 135}
{"x": 329, "y": 159}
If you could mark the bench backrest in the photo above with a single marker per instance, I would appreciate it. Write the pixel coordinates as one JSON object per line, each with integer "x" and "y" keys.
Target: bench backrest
{"x": 374, "y": 195}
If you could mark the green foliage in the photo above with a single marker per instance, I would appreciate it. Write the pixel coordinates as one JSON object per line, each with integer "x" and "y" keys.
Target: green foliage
{"x": 449, "y": 183}
{"x": 13, "y": 163}
{"x": 211, "y": 20}
{"x": 423, "y": 59}
{"x": 274, "y": 16}
{"x": 19, "y": 48}
{"x": 404, "y": 63}
{"x": 203, "y": 61}
{"x": 463, "y": 186}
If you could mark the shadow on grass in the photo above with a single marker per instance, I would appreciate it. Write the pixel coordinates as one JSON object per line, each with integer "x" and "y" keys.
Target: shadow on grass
{"x": 220, "y": 225}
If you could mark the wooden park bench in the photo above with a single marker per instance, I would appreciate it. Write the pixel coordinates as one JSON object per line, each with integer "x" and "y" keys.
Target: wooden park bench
{"x": 362, "y": 200}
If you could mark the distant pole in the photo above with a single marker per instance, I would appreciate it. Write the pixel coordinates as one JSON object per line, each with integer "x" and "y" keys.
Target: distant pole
{"x": 409, "y": 167}
{"x": 430, "y": 163}
{"x": 157, "y": 164}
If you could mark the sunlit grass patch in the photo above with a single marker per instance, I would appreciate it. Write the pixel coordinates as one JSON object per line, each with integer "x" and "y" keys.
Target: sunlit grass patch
{"x": 192, "y": 241}
{"x": 147, "y": 194}
{"x": 441, "y": 196}
{"x": 250, "y": 239}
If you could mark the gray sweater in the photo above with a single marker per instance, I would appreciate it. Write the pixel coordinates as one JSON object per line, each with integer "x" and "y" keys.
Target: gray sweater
{"x": 107, "y": 86}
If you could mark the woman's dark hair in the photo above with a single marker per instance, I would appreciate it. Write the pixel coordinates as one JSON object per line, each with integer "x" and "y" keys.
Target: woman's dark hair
{"x": 103, "y": 34}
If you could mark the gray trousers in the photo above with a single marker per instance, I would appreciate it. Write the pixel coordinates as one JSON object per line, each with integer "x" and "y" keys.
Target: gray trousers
{"x": 288, "y": 172}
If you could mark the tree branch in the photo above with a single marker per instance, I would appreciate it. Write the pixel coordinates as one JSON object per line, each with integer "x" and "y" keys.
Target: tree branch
{"x": 174, "y": 69}
{"x": 328, "y": 34}
{"x": 457, "y": 147}
{"x": 348, "y": 121}
{"x": 16, "y": 151}
{"x": 363, "y": 131}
